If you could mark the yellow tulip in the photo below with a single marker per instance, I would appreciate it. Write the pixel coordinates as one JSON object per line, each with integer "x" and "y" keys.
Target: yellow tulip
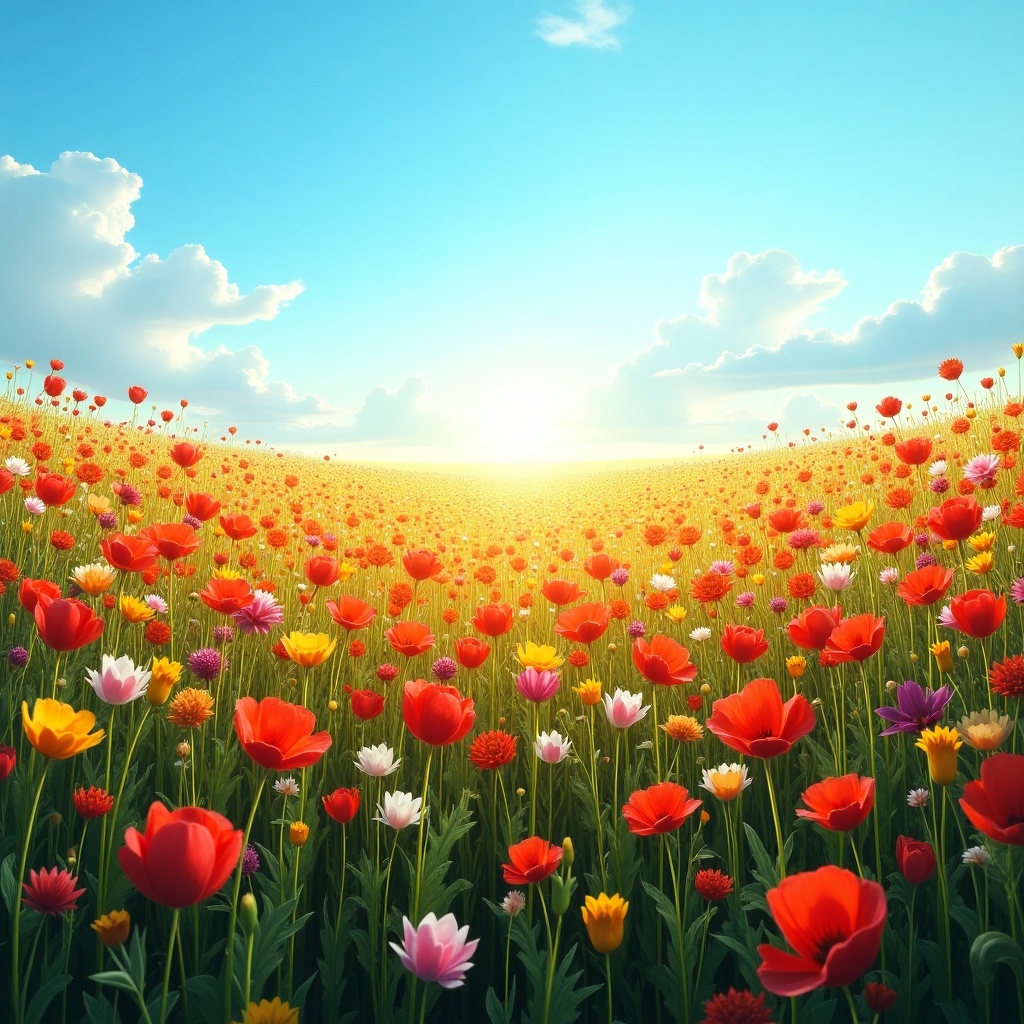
{"x": 57, "y": 730}
{"x": 308, "y": 649}
{"x": 539, "y": 656}
{"x": 604, "y": 918}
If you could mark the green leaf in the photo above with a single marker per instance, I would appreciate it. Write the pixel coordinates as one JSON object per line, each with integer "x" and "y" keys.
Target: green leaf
{"x": 44, "y": 995}
{"x": 116, "y": 979}
{"x": 8, "y": 883}
{"x": 766, "y": 870}
{"x": 99, "y": 1010}
{"x": 991, "y": 949}
{"x": 205, "y": 998}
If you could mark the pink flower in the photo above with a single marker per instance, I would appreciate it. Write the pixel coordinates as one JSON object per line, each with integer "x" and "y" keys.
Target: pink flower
{"x": 119, "y": 680}
{"x": 981, "y": 470}
{"x": 625, "y": 708}
{"x": 51, "y": 892}
{"x": 537, "y": 686}
{"x": 437, "y": 950}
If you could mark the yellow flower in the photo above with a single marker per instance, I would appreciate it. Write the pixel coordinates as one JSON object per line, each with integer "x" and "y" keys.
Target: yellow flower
{"x": 667, "y": 568}
{"x": 604, "y": 918}
{"x": 275, "y": 1012}
{"x": 190, "y": 708}
{"x": 113, "y": 928}
{"x": 225, "y": 573}
{"x": 531, "y": 583}
{"x": 166, "y": 674}
{"x": 941, "y": 745}
{"x": 845, "y": 553}
{"x": 981, "y": 564}
{"x": 68, "y": 464}
{"x": 676, "y": 613}
{"x": 855, "y": 516}
{"x": 539, "y": 656}
{"x": 308, "y": 649}
{"x": 985, "y": 730}
{"x": 589, "y": 691}
{"x": 345, "y": 571}
{"x": 57, "y": 730}
{"x": 1018, "y": 349}
{"x": 758, "y": 579}
{"x": 983, "y": 541}
{"x": 795, "y": 665}
{"x": 943, "y": 656}
{"x": 949, "y": 545}
{"x": 683, "y": 728}
{"x": 26, "y": 527}
{"x": 726, "y": 781}
{"x": 298, "y": 833}
{"x": 135, "y": 515}
{"x": 98, "y": 504}
{"x": 134, "y": 609}
{"x": 94, "y": 578}
{"x": 29, "y": 363}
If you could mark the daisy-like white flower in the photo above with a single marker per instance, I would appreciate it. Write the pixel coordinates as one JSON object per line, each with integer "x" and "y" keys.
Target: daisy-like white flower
{"x": 890, "y": 574}
{"x": 662, "y": 583}
{"x": 990, "y": 512}
{"x": 287, "y": 786}
{"x": 937, "y": 468}
{"x": 377, "y": 761}
{"x": 917, "y": 798}
{"x": 975, "y": 856}
{"x": 35, "y": 506}
{"x": 514, "y": 902}
{"x": 700, "y": 634}
{"x": 17, "y": 466}
{"x": 399, "y": 810}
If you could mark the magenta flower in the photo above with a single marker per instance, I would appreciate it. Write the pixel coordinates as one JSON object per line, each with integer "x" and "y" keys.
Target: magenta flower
{"x": 537, "y": 686}
{"x": 437, "y": 950}
{"x": 51, "y": 892}
{"x": 916, "y": 708}
{"x": 981, "y": 470}
{"x": 260, "y": 614}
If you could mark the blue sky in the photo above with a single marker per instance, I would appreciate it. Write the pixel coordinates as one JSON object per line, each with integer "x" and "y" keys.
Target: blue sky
{"x": 495, "y": 214}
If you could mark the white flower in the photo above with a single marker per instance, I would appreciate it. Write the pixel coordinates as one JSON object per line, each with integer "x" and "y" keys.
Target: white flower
{"x": 514, "y": 902}
{"x": 662, "y": 583}
{"x": 157, "y": 603}
{"x": 400, "y": 810}
{"x": 937, "y": 468}
{"x": 624, "y": 708}
{"x": 19, "y": 467}
{"x": 378, "y": 761}
{"x": 917, "y": 798}
{"x": 287, "y": 786}
{"x": 836, "y": 575}
{"x": 990, "y": 512}
{"x": 890, "y": 574}
{"x": 976, "y": 856}
{"x": 119, "y": 680}
{"x": 35, "y": 506}
{"x": 551, "y": 747}
{"x": 700, "y": 634}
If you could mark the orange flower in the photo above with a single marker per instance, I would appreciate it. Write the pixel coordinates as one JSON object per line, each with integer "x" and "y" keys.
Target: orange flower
{"x": 171, "y": 540}
{"x": 813, "y": 626}
{"x": 855, "y": 639}
{"x": 839, "y": 804}
{"x": 422, "y": 565}
{"x": 710, "y": 587}
{"x": 129, "y": 554}
{"x": 532, "y": 861}
{"x": 226, "y": 596}
{"x": 658, "y": 809}
{"x": 583, "y": 624}
{"x": 471, "y": 652}
{"x": 600, "y": 566}
{"x": 925, "y": 586}
{"x": 915, "y": 451}
{"x": 663, "y": 661}
{"x": 890, "y": 538}
{"x": 350, "y": 613}
{"x": 322, "y": 570}
{"x": 755, "y": 722}
{"x": 410, "y": 638}
{"x": 743, "y": 644}
{"x": 561, "y": 592}
{"x": 238, "y": 527}
{"x": 786, "y": 520}
{"x": 801, "y": 585}
{"x": 950, "y": 369}
{"x": 436, "y": 714}
{"x": 955, "y": 518}
{"x": 494, "y": 620}
{"x": 190, "y": 708}
{"x": 278, "y": 735}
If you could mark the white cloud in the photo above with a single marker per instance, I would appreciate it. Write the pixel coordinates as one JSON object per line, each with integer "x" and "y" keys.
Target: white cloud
{"x": 595, "y": 26}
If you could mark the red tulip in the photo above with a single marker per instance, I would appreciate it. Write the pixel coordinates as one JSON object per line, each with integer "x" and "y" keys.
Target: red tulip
{"x": 531, "y": 861}
{"x": 410, "y": 638}
{"x": 366, "y": 704}
{"x": 53, "y": 385}
{"x": 66, "y": 624}
{"x": 342, "y": 805}
{"x": 183, "y": 857}
{"x": 129, "y": 554}
{"x": 322, "y": 570}
{"x": 915, "y": 451}
{"x": 53, "y": 489}
{"x": 658, "y": 809}
{"x": 494, "y": 620}
{"x": 238, "y": 527}
{"x": 421, "y": 565}
{"x": 561, "y": 591}
{"x": 227, "y": 596}
{"x": 137, "y": 395}
{"x": 743, "y": 644}
{"x": 995, "y": 804}
{"x": 171, "y": 540}
{"x": 833, "y": 919}
{"x": 350, "y": 613}
{"x": 471, "y": 652}
{"x": 8, "y": 760}
{"x": 839, "y": 804}
{"x": 185, "y": 454}
{"x": 855, "y": 639}
{"x": 31, "y": 591}
{"x": 915, "y": 859}
{"x": 278, "y": 735}
{"x": 978, "y": 613}
{"x": 600, "y": 566}
{"x": 813, "y": 626}
{"x": 956, "y": 518}
{"x": 756, "y": 722}
{"x": 436, "y": 714}
{"x": 201, "y": 505}
{"x": 7, "y": 479}
{"x": 662, "y": 661}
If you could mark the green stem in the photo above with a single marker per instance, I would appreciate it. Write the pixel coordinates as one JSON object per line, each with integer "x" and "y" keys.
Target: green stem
{"x": 775, "y": 818}
{"x": 167, "y": 966}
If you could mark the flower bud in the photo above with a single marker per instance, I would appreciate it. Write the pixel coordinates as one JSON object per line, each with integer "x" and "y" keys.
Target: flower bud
{"x": 298, "y": 833}
{"x": 568, "y": 854}
{"x": 248, "y": 914}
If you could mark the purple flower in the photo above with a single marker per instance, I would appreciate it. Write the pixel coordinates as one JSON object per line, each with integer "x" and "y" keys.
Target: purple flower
{"x": 205, "y": 663}
{"x": 17, "y": 657}
{"x": 778, "y": 605}
{"x": 815, "y": 507}
{"x": 636, "y": 629}
{"x": 916, "y": 708}
{"x": 620, "y": 577}
{"x": 922, "y": 540}
{"x": 444, "y": 669}
{"x": 130, "y": 495}
{"x": 939, "y": 485}
{"x": 982, "y": 469}
{"x": 260, "y": 615}
{"x": 107, "y": 520}
{"x": 925, "y": 559}
{"x": 250, "y": 861}
{"x": 313, "y": 540}
{"x": 192, "y": 521}
{"x": 1017, "y": 591}
{"x": 745, "y": 600}
{"x": 223, "y": 634}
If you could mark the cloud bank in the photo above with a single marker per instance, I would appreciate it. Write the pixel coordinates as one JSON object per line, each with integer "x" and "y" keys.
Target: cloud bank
{"x": 594, "y": 27}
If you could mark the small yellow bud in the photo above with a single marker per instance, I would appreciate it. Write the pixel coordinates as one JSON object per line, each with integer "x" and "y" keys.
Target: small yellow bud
{"x": 332, "y": 705}
{"x": 913, "y": 659}
{"x": 568, "y": 854}
{"x": 962, "y": 652}
{"x": 705, "y": 688}
{"x": 704, "y": 817}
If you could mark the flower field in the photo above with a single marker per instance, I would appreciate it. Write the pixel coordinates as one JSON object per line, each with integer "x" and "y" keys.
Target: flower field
{"x": 733, "y": 740}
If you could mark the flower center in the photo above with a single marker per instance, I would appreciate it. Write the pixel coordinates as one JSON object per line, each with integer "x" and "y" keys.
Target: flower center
{"x": 825, "y": 945}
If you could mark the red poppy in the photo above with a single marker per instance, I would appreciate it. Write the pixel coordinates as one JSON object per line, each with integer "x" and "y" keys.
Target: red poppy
{"x": 367, "y": 704}
{"x": 185, "y": 454}
{"x": 915, "y": 859}
{"x": 66, "y": 624}
{"x": 227, "y": 596}
{"x": 561, "y": 592}
{"x": 658, "y": 809}
{"x": 833, "y": 919}
{"x": 238, "y": 527}
{"x": 855, "y": 639}
{"x": 436, "y": 714}
{"x": 31, "y": 591}
{"x": 278, "y": 735}
{"x": 201, "y": 505}
{"x": 471, "y": 652}
{"x": 421, "y": 565}
{"x": 995, "y": 804}
{"x": 322, "y": 570}
{"x": 494, "y": 619}
{"x": 129, "y": 554}
{"x": 584, "y": 624}
{"x": 839, "y": 804}
{"x": 663, "y": 661}
{"x": 532, "y": 860}
{"x": 410, "y": 638}
{"x": 756, "y": 722}
{"x": 172, "y": 540}
{"x": 183, "y": 857}
{"x": 813, "y": 626}
{"x": 889, "y": 407}
{"x": 915, "y": 451}
{"x": 978, "y": 613}
{"x": 890, "y": 538}
{"x": 7, "y": 479}
{"x": 137, "y": 395}
{"x": 342, "y": 805}
{"x": 600, "y": 566}
{"x": 925, "y": 586}
{"x": 956, "y": 518}
{"x": 743, "y": 644}
{"x": 53, "y": 489}
{"x": 53, "y": 385}
{"x": 490, "y": 750}
{"x": 350, "y": 613}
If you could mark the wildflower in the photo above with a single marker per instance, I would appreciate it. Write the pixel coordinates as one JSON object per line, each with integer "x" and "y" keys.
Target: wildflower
{"x": 286, "y": 786}
{"x": 514, "y": 903}
{"x": 531, "y": 861}
{"x": 57, "y": 731}
{"x": 342, "y": 805}
{"x": 65, "y": 624}
{"x": 915, "y": 859}
{"x": 993, "y": 803}
{"x": 491, "y": 750}
{"x": 734, "y": 1007}
{"x": 636, "y": 629}
{"x": 743, "y": 644}
{"x": 551, "y": 747}
{"x": 604, "y": 917}
{"x": 308, "y": 649}
{"x": 726, "y": 781}
{"x": 278, "y": 735}
{"x": 795, "y": 666}
{"x": 119, "y": 681}
{"x": 437, "y": 950}
{"x": 683, "y": 728}
{"x": 205, "y": 663}
{"x": 658, "y": 809}
{"x": 955, "y": 519}
{"x": 1006, "y": 678}
{"x": 943, "y": 656}
{"x": 350, "y": 613}
{"x": 540, "y": 657}
{"x": 8, "y": 761}
{"x": 494, "y": 620}
{"x": 272, "y": 1011}
{"x": 410, "y": 638}
{"x": 113, "y": 928}
{"x": 855, "y": 639}
{"x": 746, "y": 599}
{"x": 941, "y": 744}
{"x": 624, "y": 708}
{"x": 399, "y": 810}
{"x": 164, "y": 674}
{"x": 755, "y": 721}
{"x": 583, "y": 624}
{"x": 471, "y": 652}
{"x": 917, "y": 708}
{"x": 676, "y": 613}
{"x": 620, "y": 577}
{"x": 436, "y": 714}
{"x": 377, "y": 761}
{"x": 260, "y": 615}
{"x": 537, "y": 686}
{"x": 94, "y": 578}
{"x": 981, "y": 470}
{"x": 17, "y": 657}
{"x": 712, "y": 885}
{"x": 853, "y": 517}
{"x": 662, "y": 583}
{"x": 836, "y": 576}
{"x": 985, "y": 730}
{"x": 51, "y": 891}
{"x": 589, "y": 691}
{"x": 92, "y": 802}
{"x": 812, "y": 628}
{"x": 250, "y": 861}
{"x": 298, "y": 833}
{"x": 662, "y": 661}
{"x": 975, "y": 857}
{"x": 834, "y": 921}
{"x": 839, "y": 804}
{"x": 700, "y": 634}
